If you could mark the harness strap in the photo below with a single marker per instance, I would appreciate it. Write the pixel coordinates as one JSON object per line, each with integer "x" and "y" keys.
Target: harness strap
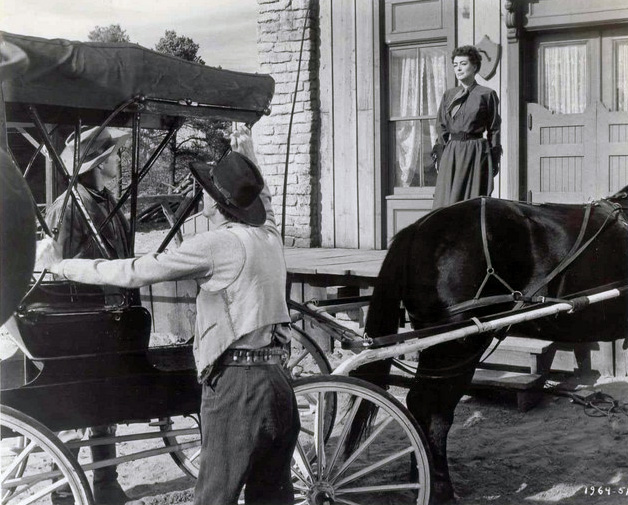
{"x": 575, "y": 252}
{"x": 528, "y": 297}
{"x": 490, "y": 271}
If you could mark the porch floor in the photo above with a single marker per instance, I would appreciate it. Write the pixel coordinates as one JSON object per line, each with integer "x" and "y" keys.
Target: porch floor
{"x": 330, "y": 266}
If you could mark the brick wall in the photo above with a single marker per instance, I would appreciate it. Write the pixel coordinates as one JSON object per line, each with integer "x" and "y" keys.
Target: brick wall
{"x": 279, "y": 32}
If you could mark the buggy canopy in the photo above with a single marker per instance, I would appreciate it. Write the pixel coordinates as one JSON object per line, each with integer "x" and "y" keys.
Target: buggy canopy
{"x": 66, "y": 80}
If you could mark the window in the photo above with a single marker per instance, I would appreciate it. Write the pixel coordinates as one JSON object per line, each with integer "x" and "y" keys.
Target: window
{"x": 418, "y": 79}
{"x": 565, "y": 78}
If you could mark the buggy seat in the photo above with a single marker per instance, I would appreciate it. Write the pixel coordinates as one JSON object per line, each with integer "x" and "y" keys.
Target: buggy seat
{"x": 61, "y": 319}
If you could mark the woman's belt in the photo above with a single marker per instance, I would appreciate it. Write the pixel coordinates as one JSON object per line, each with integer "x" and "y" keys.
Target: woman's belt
{"x": 253, "y": 357}
{"x": 465, "y": 136}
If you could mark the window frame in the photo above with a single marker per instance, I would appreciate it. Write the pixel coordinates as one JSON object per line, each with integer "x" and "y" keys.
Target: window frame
{"x": 592, "y": 40}
{"x": 391, "y": 121}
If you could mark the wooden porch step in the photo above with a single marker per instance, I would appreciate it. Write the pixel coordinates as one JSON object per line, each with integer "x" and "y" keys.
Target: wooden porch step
{"x": 526, "y": 386}
{"x": 508, "y": 380}
{"x": 533, "y": 354}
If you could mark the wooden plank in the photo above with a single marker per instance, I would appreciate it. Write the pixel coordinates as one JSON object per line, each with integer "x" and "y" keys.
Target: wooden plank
{"x": 335, "y": 262}
{"x": 487, "y": 21}
{"x": 369, "y": 269}
{"x": 621, "y": 358}
{"x": 304, "y": 293}
{"x": 365, "y": 50}
{"x": 345, "y": 131}
{"x": 172, "y": 306}
{"x": 183, "y": 317}
{"x": 509, "y": 380}
{"x": 529, "y": 345}
{"x": 465, "y": 18}
{"x": 378, "y": 123}
{"x": 326, "y": 153}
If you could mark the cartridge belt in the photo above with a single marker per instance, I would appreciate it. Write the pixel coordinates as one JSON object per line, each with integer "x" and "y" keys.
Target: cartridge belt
{"x": 253, "y": 357}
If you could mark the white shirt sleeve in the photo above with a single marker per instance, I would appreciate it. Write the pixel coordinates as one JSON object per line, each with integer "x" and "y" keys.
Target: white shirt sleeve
{"x": 193, "y": 259}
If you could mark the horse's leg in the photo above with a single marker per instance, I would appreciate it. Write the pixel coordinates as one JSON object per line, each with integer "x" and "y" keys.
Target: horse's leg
{"x": 444, "y": 375}
{"x": 433, "y": 402}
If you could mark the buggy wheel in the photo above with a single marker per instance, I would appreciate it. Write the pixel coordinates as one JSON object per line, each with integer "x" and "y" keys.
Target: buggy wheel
{"x": 306, "y": 356}
{"x": 389, "y": 465}
{"x": 35, "y": 463}
{"x": 184, "y": 433}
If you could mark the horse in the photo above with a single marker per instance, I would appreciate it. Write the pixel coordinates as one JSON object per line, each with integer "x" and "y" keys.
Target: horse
{"x": 484, "y": 256}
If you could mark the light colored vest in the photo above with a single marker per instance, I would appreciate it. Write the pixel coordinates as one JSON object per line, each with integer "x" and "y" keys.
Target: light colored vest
{"x": 256, "y": 297}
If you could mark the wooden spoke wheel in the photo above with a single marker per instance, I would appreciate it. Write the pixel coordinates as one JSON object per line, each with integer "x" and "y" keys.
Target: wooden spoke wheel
{"x": 36, "y": 464}
{"x": 307, "y": 359}
{"x": 183, "y": 432}
{"x": 389, "y": 465}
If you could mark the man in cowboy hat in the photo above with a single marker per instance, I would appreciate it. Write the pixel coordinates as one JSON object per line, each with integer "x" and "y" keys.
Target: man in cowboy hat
{"x": 98, "y": 171}
{"x": 249, "y": 417}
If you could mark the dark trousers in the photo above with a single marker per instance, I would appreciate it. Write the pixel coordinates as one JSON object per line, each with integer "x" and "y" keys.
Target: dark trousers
{"x": 250, "y": 424}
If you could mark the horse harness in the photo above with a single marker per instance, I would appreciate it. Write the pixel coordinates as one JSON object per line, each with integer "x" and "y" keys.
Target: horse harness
{"x": 528, "y": 296}
{"x": 517, "y": 297}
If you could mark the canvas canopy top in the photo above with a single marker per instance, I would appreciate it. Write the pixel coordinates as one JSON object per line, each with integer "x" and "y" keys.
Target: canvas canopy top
{"x": 66, "y": 80}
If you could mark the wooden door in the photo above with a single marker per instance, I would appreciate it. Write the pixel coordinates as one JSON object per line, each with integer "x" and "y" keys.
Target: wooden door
{"x": 612, "y": 143}
{"x": 577, "y": 129}
{"x": 612, "y": 115}
{"x": 561, "y": 155}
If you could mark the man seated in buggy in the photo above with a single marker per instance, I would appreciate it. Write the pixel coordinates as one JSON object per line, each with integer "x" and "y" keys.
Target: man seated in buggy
{"x": 97, "y": 172}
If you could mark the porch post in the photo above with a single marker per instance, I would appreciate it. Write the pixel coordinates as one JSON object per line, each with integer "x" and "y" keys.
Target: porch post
{"x": 515, "y": 157}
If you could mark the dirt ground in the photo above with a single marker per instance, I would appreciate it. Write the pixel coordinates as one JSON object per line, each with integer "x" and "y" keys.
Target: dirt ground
{"x": 553, "y": 453}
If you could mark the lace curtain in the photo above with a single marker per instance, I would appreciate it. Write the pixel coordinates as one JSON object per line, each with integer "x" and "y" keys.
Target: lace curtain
{"x": 418, "y": 83}
{"x": 565, "y": 78}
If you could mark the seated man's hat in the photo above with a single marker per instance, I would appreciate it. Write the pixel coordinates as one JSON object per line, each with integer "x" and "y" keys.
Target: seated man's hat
{"x": 108, "y": 142}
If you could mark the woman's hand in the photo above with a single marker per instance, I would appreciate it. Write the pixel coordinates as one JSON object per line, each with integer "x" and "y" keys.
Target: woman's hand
{"x": 496, "y": 155}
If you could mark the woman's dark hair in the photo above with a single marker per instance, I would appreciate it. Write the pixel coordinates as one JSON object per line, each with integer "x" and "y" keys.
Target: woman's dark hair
{"x": 471, "y": 52}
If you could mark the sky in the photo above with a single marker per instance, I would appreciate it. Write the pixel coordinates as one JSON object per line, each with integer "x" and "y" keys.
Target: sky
{"x": 224, "y": 29}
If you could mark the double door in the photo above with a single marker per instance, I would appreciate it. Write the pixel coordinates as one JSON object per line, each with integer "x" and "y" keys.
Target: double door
{"x": 577, "y": 123}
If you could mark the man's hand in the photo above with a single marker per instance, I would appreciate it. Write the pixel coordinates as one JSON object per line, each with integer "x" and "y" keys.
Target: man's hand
{"x": 48, "y": 253}
{"x": 242, "y": 142}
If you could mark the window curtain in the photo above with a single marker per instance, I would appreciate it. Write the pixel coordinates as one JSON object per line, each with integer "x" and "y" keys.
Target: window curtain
{"x": 434, "y": 81}
{"x": 421, "y": 85}
{"x": 565, "y": 78}
{"x": 621, "y": 59}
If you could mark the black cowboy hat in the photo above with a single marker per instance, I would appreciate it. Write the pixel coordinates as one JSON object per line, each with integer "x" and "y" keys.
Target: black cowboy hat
{"x": 235, "y": 183}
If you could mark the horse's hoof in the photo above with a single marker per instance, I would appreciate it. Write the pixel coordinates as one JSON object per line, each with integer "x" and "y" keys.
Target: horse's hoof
{"x": 442, "y": 493}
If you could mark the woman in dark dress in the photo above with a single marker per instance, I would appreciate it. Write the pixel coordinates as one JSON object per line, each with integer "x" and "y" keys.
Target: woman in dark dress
{"x": 467, "y": 162}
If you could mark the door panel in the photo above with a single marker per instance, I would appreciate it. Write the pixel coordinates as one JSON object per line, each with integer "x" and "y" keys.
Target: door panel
{"x": 578, "y": 150}
{"x": 561, "y": 162}
{"x": 612, "y": 140}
